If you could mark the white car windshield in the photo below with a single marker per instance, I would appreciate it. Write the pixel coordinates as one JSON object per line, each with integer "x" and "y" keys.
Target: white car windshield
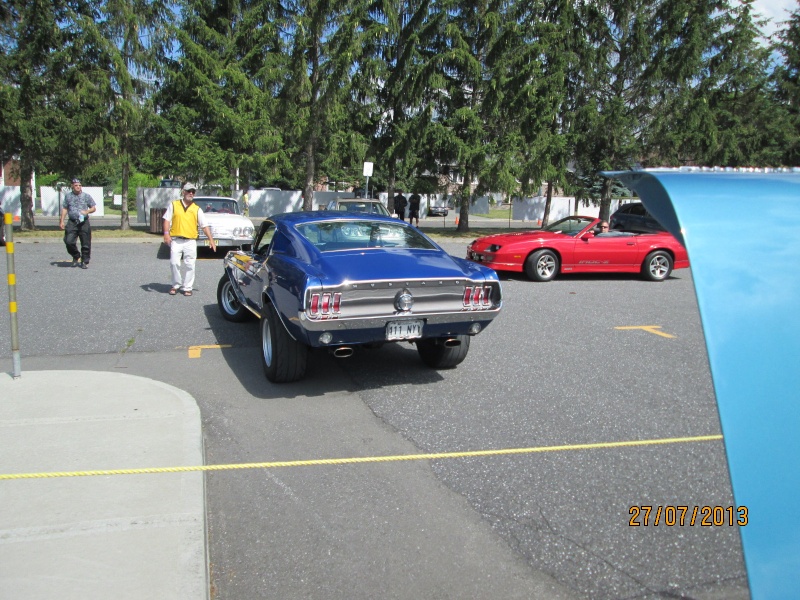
{"x": 364, "y": 207}
{"x": 217, "y": 205}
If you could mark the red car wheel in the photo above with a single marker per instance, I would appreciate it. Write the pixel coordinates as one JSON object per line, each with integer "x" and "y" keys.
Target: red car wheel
{"x": 542, "y": 265}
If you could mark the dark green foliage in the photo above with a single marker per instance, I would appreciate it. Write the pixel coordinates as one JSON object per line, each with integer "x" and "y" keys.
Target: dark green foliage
{"x": 214, "y": 109}
{"x": 462, "y": 97}
{"x": 787, "y": 80}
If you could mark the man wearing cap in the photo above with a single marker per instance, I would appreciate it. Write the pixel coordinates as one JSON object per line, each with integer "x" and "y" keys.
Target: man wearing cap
{"x": 181, "y": 221}
{"x": 77, "y": 207}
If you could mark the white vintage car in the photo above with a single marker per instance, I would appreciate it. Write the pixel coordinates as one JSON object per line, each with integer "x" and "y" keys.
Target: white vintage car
{"x": 228, "y": 226}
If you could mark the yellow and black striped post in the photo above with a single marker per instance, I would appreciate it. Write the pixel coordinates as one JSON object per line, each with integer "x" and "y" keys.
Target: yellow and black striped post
{"x": 12, "y": 295}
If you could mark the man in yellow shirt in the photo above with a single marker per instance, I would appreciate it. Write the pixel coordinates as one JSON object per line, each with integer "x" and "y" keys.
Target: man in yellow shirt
{"x": 181, "y": 221}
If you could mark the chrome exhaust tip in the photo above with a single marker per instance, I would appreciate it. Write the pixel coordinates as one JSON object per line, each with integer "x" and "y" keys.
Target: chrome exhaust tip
{"x": 452, "y": 342}
{"x": 343, "y": 352}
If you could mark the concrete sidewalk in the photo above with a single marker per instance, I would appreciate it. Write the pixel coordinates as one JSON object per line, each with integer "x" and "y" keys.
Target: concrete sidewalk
{"x": 100, "y": 537}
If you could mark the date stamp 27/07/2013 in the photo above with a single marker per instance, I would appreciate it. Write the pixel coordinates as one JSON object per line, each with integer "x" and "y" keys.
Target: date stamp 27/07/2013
{"x": 705, "y": 516}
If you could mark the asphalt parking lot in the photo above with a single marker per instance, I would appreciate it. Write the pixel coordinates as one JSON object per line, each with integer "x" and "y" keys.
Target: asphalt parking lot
{"x": 581, "y": 361}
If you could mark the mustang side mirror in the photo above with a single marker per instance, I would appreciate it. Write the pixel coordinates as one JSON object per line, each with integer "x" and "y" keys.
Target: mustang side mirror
{"x": 587, "y": 235}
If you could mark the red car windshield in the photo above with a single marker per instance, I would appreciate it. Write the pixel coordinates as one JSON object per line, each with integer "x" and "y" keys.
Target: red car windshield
{"x": 571, "y": 226}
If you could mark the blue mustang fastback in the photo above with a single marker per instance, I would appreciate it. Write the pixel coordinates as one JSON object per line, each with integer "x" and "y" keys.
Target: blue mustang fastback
{"x": 338, "y": 281}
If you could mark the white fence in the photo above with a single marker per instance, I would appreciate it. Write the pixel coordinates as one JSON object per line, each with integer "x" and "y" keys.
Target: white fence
{"x": 49, "y": 200}
{"x": 532, "y": 209}
{"x": 264, "y": 203}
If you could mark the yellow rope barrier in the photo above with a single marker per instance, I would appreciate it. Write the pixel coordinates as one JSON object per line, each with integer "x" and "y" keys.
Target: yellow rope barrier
{"x": 364, "y": 459}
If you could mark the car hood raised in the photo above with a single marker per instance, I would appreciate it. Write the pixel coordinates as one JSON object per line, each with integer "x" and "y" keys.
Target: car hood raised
{"x": 381, "y": 264}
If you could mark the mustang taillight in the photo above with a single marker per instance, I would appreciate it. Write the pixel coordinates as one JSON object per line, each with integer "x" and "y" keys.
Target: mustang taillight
{"x": 325, "y": 306}
{"x": 478, "y": 297}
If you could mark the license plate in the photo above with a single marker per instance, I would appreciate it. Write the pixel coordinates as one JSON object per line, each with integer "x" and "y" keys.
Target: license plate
{"x": 208, "y": 242}
{"x": 403, "y": 330}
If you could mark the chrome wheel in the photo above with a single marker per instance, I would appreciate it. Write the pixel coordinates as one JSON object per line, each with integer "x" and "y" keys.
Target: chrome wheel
{"x": 546, "y": 266}
{"x": 657, "y": 266}
{"x": 542, "y": 265}
{"x": 282, "y": 357}
{"x": 228, "y": 303}
{"x": 266, "y": 342}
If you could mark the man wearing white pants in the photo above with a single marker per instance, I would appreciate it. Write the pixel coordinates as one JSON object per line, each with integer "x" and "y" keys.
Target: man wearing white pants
{"x": 181, "y": 221}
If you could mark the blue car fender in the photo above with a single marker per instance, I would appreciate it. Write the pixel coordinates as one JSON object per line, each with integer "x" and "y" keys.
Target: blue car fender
{"x": 742, "y": 233}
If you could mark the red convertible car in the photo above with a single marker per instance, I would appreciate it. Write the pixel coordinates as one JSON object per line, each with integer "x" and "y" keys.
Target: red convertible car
{"x": 575, "y": 245}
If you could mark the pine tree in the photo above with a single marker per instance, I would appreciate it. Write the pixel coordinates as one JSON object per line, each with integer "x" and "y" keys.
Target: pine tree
{"x": 470, "y": 48}
{"x": 392, "y": 86}
{"x": 613, "y": 98}
{"x": 543, "y": 84}
{"x": 322, "y": 52}
{"x": 136, "y": 33}
{"x": 745, "y": 131}
{"x": 687, "y": 36}
{"x": 215, "y": 109}
{"x": 54, "y": 90}
{"x": 787, "y": 79}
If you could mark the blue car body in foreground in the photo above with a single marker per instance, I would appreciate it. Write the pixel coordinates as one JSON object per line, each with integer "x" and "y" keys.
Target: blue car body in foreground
{"x": 338, "y": 280}
{"x": 741, "y": 231}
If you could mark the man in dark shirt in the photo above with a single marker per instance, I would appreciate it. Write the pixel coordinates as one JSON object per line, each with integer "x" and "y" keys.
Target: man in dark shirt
{"x": 77, "y": 207}
{"x": 400, "y": 206}
{"x": 413, "y": 208}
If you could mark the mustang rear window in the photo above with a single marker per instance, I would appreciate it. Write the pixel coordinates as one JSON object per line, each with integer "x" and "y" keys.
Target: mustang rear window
{"x": 331, "y": 236}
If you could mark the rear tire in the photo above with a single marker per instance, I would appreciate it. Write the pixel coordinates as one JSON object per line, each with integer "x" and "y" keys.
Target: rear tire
{"x": 228, "y": 303}
{"x": 542, "y": 265}
{"x": 436, "y": 355}
{"x": 657, "y": 266}
{"x": 283, "y": 359}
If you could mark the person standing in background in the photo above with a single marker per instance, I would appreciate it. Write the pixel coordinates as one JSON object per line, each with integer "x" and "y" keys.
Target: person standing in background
{"x": 181, "y": 221}
{"x": 246, "y": 202}
{"x": 413, "y": 208}
{"x": 400, "y": 206}
{"x": 77, "y": 207}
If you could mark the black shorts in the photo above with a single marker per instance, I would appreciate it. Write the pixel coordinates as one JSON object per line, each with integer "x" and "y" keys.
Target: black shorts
{"x": 413, "y": 213}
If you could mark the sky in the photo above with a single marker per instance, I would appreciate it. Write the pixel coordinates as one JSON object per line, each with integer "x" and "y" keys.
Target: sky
{"x": 775, "y": 10}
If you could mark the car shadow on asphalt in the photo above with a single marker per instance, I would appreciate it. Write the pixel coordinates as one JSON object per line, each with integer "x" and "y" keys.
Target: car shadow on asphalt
{"x": 368, "y": 368}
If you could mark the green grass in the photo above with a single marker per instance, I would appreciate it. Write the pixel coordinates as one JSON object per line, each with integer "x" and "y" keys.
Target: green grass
{"x": 496, "y": 213}
{"x": 474, "y": 232}
{"x": 97, "y": 232}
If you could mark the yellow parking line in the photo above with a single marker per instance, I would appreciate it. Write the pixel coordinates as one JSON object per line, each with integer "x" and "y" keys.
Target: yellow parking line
{"x": 196, "y": 351}
{"x": 366, "y": 459}
{"x": 650, "y": 329}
